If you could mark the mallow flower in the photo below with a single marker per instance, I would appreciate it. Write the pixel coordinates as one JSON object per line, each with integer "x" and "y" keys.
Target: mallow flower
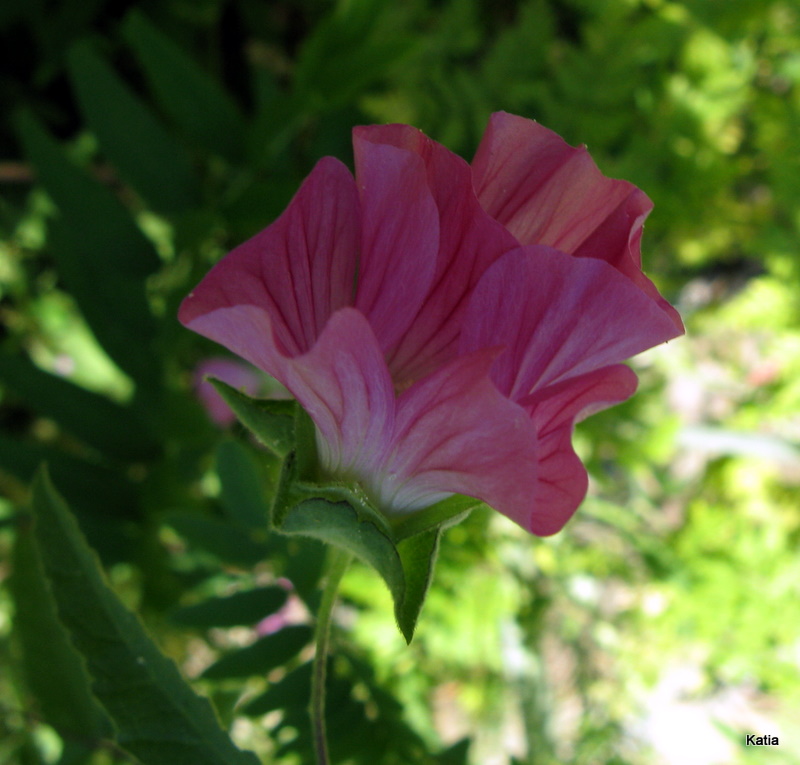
{"x": 445, "y": 325}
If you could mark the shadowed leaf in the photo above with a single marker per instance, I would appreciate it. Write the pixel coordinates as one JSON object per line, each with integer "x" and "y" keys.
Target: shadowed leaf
{"x": 158, "y": 717}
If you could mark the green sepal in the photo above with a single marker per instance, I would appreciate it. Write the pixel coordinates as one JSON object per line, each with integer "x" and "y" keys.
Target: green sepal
{"x": 418, "y": 557}
{"x": 343, "y": 516}
{"x": 338, "y": 516}
{"x": 272, "y": 422}
{"x": 444, "y": 514}
{"x": 402, "y": 549}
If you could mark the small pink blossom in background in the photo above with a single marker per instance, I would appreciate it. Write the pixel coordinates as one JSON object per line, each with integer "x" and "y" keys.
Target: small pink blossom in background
{"x": 292, "y": 612}
{"x": 445, "y": 325}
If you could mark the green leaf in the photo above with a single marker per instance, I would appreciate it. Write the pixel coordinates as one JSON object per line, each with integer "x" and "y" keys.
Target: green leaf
{"x": 263, "y": 655}
{"x": 271, "y": 422}
{"x": 159, "y": 718}
{"x": 457, "y": 754}
{"x": 242, "y": 492}
{"x": 242, "y": 608}
{"x": 346, "y": 53}
{"x": 188, "y": 94}
{"x": 109, "y": 427}
{"x": 221, "y": 538}
{"x": 290, "y": 692}
{"x": 53, "y": 669}
{"x": 146, "y": 156}
{"x": 418, "y": 555}
{"x": 102, "y": 255}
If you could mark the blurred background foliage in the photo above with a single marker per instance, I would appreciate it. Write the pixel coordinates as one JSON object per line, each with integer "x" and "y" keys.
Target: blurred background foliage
{"x": 142, "y": 140}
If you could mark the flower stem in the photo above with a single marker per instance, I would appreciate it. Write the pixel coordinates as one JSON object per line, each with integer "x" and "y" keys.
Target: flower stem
{"x": 339, "y": 561}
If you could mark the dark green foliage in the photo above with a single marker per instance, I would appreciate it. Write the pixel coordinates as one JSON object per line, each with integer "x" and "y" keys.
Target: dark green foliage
{"x": 262, "y": 656}
{"x": 242, "y": 608}
{"x": 103, "y": 256}
{"x": 365, "y": 722}
{"x": 151, "y": 160}
{"x": 107, "y": 427}
{"x": 242, "y": 494}
{"x": 157, "y": 716}
{"x": 198, "y": 106}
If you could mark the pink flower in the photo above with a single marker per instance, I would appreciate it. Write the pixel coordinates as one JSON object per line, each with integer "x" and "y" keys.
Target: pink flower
{"x": 445, "y": 325}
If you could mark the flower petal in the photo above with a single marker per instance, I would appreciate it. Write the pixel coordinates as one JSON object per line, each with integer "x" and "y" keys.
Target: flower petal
{"x": 399, "y": 240}
{"x": 469, "y": 242}
{"x": 342, "y": 382}
{"x": 559, "y": 317}
{"x": 300, "y": 269}
{"x": 554, "y": 411}
{"x": 548, "y": 192}
{"x": 455, "y": 433}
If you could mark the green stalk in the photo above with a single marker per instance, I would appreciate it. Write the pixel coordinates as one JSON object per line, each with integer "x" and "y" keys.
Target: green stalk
{"x": 339, "y": 562}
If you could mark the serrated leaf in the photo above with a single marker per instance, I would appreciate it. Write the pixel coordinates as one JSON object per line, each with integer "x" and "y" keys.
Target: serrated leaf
{"x": 220, "y": 538}
{"x": 271, "y": 422}
{"x": 53, "y": 669}
{"x": 159, "y": 718}
{"x": 102, "y": 255}
{"x": 263, "y": 655}
{"x": 242, "y": 608}
{"x": 146, "y": 156}
{"x": 242, "y": 493}
{"x": 188, "y": 94}
{"x": 109, "y": 427}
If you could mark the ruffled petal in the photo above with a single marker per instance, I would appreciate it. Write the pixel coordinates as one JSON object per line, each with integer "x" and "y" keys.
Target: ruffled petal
{"x": 469, "y": 242}
{"x": 554, "y": 411}
{"x": 546, "y": 191}
{"x": 558, "y": 317}
{"x": 399, "y": 239}
{"x": 455, "y": 433}
{"x": 300, "y": 269}
{"x": 342, "y": 382}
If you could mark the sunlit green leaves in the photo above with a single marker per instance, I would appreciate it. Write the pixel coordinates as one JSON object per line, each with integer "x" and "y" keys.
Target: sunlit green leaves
{"x": 101, "y": 253}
